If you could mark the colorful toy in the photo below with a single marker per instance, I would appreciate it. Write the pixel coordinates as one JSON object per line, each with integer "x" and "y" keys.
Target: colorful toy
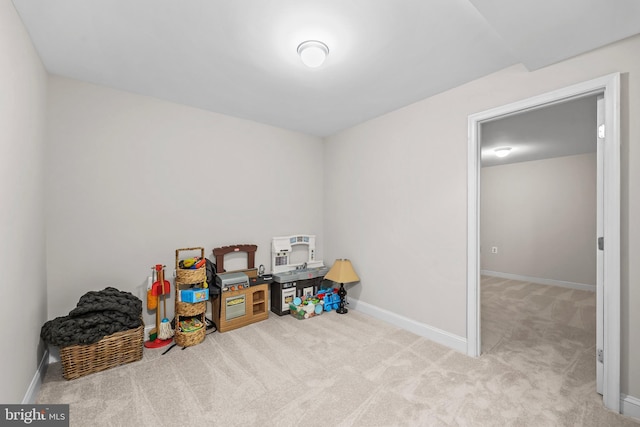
{"x": 192, "y": 263}
{"x": 331, "y": 299}
{"x": 162, "y": 335}
{"x": 190, "y": 324}
{"x": 304, "y": 308}
{"x": 194, "y": 295}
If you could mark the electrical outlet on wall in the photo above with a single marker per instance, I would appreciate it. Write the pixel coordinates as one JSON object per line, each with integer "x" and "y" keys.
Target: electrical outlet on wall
{"x": 494, "y": 249}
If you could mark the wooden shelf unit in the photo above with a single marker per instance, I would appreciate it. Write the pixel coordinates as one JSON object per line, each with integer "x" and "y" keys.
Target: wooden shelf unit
{"x": 184, "y": 280}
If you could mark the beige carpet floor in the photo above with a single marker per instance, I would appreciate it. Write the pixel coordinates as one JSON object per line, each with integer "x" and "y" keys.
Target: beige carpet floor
{"x": 353, "y": 370}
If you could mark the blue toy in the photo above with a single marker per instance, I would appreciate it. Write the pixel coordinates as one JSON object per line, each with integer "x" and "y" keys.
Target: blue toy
{"x": 330, "y": 298}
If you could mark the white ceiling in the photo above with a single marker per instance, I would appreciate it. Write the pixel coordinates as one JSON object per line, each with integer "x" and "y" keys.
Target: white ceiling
{"x": 562, "y": 129}
{"x": 239, "y": 57}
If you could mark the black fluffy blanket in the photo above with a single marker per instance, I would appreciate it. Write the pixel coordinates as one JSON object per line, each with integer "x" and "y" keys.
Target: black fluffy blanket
{"x": 98, "y": 314}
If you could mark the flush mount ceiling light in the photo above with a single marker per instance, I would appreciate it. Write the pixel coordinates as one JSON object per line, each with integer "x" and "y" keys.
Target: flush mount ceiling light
{"x": 502, "y": 151}
{"x": 313, "y": 53}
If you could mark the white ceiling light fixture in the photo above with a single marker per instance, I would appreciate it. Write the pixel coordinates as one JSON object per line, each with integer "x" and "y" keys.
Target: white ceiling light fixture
{"x": 502, "y": 151}
{"x": 313, "y": 53}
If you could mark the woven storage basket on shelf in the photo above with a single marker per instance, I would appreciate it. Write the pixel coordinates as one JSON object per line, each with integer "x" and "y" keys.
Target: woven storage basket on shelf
{"x": 187, "y": 309}
{"x": 186, "y": 339}
{"x": 111, "y": 351}
{"x": 187, "y": 276}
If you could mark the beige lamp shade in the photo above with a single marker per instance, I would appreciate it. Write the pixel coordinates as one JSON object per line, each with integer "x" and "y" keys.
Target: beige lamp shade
{"x": 342, "y": 272}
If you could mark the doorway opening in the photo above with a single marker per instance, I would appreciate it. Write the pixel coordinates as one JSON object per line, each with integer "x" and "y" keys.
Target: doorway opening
{"x": 538, "y": 216}
{"x": 608, "y": 312}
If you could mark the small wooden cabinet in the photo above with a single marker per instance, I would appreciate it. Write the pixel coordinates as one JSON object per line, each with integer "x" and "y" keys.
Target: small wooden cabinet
{"x": 235, "y": 309}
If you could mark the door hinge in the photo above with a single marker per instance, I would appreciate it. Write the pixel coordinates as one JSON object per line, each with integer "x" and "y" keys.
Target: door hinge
{"x": 601, "y": 131}
{"x": 600, "y": 355}
{"x": 601, "y": 243}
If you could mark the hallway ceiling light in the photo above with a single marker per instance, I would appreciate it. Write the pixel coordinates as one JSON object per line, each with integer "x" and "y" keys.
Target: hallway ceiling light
{"x": 313, "y": 53}
{"x": 502, "y": 151}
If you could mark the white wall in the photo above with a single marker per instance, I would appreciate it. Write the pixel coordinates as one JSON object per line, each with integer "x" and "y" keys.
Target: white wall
{"x": 396, "y": 200}
{"x": 541, "y": 216}
{"x": 130, "y": 179}
{"x": 22, "y": 255}
{"x": 391, "y": 206}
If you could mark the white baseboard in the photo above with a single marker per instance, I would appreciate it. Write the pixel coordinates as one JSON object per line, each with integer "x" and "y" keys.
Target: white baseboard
{"x": 541, "y": 281}
{"x": 630, "y": 406}
{"x": 54, "y": 354}
{"x": 445, "y": 338}
{"x": 32, "y": 392}
{"x": 147, "y": 329}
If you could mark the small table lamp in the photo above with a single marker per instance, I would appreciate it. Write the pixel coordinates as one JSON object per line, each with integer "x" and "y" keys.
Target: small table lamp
{"x": 342, "y": 272}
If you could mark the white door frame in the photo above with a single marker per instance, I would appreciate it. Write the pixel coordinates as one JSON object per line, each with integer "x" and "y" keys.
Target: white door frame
{"x": 600, "y": 141}
{"x": 609, "y": 85}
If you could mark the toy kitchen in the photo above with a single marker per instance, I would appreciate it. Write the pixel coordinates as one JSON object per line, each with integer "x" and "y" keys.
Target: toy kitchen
{"x": 243, "y": 294}
{"x": 291, "y": 279}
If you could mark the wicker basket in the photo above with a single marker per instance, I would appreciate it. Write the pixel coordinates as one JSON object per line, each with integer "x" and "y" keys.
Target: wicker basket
{"x": 187, "y": 309}
{"x": 111, "y": 351}
{"x": 187, "y": 276}
{"x": 186, "y": 339}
